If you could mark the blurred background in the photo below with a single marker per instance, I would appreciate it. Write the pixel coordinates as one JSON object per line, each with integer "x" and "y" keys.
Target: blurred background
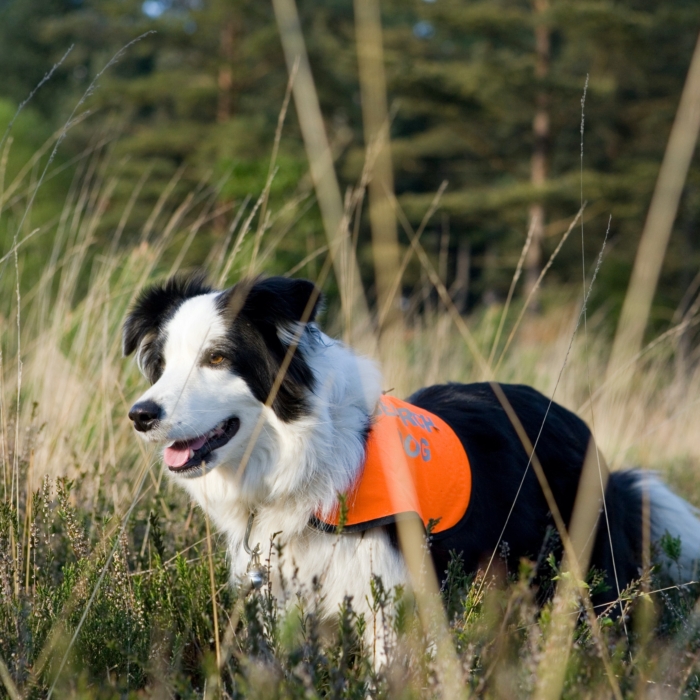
{"x": 485, "y": 95}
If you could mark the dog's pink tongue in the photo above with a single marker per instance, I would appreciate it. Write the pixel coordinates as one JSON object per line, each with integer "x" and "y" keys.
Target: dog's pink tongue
{"x": 178, "y": 453}
{"x": 176, "y": 456}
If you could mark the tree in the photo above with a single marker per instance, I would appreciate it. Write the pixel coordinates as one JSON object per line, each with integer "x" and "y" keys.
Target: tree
{"x": 540, "y": 133}
{"x": 465, "y": 83}
{"x": 198, "y": 101}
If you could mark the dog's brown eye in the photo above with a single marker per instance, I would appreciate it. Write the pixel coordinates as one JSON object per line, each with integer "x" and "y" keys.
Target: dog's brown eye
{"x": 215, "y": 358}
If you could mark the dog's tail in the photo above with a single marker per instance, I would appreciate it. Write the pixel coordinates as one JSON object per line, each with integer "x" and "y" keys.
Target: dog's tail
{"x": 675, "y": 529}
{"x": 637, "y": 501}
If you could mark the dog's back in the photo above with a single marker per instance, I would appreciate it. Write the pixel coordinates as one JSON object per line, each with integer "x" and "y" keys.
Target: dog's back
{"x": 508, "y": 512}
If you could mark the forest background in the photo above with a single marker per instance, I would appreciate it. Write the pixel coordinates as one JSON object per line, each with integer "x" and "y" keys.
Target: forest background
{"x": 484, "y": 95}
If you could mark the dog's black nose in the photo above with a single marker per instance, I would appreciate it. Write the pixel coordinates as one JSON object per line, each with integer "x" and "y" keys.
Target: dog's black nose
{"x": 145, "y": 415}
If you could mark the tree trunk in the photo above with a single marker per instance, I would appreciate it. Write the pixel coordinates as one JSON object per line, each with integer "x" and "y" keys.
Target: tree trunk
{"x": 375, "y": 117}
{"x": 460, "y": 289}
{"x": 225, "y": 79}
{"x": 540, "y": 128}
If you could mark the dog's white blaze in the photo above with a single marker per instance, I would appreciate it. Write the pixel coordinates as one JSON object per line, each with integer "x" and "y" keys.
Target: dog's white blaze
{"x": 192, "y": 396}
{"x": 195, "y": 324}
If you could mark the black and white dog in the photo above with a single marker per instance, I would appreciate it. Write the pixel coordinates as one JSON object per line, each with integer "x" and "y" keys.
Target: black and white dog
{"x": 213, "y": 357}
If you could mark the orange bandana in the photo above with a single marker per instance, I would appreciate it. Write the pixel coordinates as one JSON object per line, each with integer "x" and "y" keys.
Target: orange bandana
{"x": 415, "y": 465}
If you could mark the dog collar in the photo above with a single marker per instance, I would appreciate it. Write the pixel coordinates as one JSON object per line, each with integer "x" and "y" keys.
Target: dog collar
{"x": 415, "y": 465}
{"x": 255, "y": 574}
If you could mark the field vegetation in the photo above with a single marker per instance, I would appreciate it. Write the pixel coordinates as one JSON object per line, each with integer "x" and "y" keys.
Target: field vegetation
{"x": 112, "y": 584}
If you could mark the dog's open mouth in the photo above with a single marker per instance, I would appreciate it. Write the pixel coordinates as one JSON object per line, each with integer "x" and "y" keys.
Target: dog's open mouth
{"x": 185, "y": 454}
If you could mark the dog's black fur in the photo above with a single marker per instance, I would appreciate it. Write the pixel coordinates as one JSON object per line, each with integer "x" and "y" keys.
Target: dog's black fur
{"x": 500, "y": 464}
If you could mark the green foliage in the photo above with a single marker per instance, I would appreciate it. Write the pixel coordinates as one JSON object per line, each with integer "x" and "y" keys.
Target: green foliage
{"x": 671, "y": 546}
{"x": 195, "y": 105}
{"x": 141, "y": 612}
{"x": 456, "y": 587}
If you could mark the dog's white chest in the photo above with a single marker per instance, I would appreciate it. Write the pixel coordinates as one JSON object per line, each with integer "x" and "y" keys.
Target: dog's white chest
{"x": 325, "y": 569}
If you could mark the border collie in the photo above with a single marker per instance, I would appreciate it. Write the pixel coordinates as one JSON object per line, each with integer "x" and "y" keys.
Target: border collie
{"x": 213, "y": 358}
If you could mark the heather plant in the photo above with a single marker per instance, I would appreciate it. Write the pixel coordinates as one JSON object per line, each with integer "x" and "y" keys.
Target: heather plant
{"x": 150, "y": 622}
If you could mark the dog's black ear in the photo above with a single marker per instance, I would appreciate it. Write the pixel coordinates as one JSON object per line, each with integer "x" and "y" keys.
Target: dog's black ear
{"x": 277, "y": 301}
{"x": 156, "y": 305}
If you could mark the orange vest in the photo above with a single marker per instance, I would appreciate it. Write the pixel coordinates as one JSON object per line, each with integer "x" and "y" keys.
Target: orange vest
{"x": 415, "y": 464}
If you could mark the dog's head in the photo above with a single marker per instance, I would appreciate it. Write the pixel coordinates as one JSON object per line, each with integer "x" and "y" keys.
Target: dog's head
{"x": 215, "y": 360}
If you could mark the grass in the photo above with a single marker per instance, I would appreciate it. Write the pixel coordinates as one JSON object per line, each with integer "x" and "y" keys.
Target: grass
{"x": 105, "y": 570}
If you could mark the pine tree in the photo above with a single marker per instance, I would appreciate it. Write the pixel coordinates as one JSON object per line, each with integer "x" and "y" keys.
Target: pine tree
{"x": 464, "y": 79}
{"x": 195, "y": 103}
{"x": 199, "y": 100}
